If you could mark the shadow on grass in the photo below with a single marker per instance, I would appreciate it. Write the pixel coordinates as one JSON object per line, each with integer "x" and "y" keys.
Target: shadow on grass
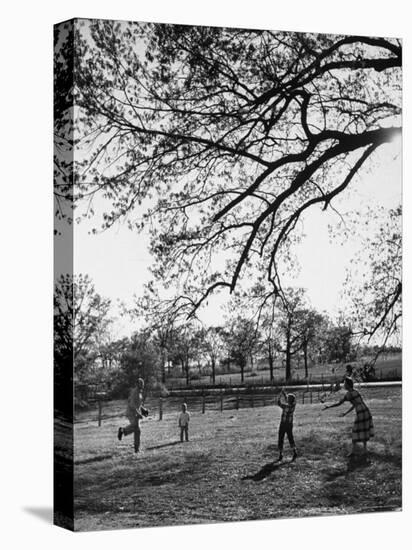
{"x": 358, "y": 463}
{"x": 171, "y": 444}
{"x": 353, "y": 464}
{"x": 271, "y": 450}
{"x": 266, "y": 470}
{"x": 395, "y": 460}
{"x": 98, "y": 458}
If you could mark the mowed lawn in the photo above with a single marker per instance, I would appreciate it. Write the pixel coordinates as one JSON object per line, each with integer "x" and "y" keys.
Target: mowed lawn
{"x": 227, "y": 471}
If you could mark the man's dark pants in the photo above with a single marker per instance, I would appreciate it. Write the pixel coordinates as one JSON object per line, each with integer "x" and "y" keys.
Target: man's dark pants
{"x": 134, "y": 428}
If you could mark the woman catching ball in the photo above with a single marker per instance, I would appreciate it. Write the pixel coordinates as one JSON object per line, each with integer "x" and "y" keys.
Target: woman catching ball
{"x": 363, "y": 428}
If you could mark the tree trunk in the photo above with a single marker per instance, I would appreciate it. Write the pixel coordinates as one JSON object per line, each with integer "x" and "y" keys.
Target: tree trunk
{"x": 163, "y": 367}
{"x": 187, "y": 372}
{"x": 288, "y": 368}
{"x": 270, "y": 358}
{"x": 305, "y": 358}
{"x": 213, "y": 370}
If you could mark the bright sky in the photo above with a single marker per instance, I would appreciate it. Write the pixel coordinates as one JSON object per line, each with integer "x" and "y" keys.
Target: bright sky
{"x": 118, "y": 259}
{"x": 323, "y": 263}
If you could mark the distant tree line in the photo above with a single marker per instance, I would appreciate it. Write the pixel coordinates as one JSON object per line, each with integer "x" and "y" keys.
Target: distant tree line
{"x": 280, "y": 335}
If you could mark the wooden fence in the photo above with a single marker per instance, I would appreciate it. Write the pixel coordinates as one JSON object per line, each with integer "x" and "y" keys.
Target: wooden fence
{"x": 233, "y": 381}
{"x": 202, "y": 402}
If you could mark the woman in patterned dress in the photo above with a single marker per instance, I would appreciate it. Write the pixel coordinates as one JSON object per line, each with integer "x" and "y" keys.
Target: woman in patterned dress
{"x": 362, "y": 429}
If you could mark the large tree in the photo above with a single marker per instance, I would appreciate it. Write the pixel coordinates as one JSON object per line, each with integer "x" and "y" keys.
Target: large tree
{"x": 214, "y": 347}
{"x": 185, "y": 346}
{"x": 376, "y": 299}
{"x": 338, "y": 342}
{"x": 291, "y": 311}
{"x": 311, "y": 327}
{"x": 81, "y": 315}
{"x": 161, "y": 316}
{"x": 242, "y": 338}
{"x": 226, "y": 136}
{"x": 140, "y": 359}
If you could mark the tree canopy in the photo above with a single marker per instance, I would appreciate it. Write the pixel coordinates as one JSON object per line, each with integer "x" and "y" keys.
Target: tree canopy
{"x": 224, "y": 138}
{"x": 81, "y": 316}
{"x": 376, "y": 299}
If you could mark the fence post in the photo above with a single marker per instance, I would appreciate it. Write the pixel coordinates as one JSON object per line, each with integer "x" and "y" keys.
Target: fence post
{"x": 99, "y": 421}
{"x": 160, "y": 408}
{"x": 221, "y": 401}
{"x": 203, "y": 402}
{"x": 323, "y": 386}
{"x": 303, "y": 397}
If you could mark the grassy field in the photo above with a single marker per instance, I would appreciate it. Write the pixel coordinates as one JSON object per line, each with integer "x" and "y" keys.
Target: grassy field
{"x": 227, "y": 471}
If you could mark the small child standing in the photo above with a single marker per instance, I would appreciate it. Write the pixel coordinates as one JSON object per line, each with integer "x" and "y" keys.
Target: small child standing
{"x": 286, "y": 423}
{"x": 184, "y": 418}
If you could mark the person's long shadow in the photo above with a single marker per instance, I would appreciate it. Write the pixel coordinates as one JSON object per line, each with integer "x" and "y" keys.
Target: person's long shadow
{"x": 266, "y": 470}
{"x": 93, "y": 459}
{"x": 352, "y": 464}
{"x": 163, "y": 445}
{"x": 358, "y": 463}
